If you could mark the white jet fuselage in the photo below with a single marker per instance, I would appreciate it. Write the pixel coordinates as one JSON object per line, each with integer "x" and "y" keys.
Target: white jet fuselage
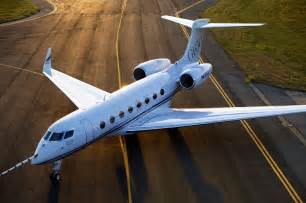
{"x": 110, "y": 117}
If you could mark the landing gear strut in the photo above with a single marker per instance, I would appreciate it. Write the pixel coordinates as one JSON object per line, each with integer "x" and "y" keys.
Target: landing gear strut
{"x": 56, "y": 167}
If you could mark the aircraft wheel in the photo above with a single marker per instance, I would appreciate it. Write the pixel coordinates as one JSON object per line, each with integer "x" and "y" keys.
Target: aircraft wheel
{"x": 55, "y": 177}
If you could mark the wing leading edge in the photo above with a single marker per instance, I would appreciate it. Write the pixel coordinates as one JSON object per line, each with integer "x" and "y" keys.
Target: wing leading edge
{"x": 80, "y": 93}
{"x": 174, "y": 118}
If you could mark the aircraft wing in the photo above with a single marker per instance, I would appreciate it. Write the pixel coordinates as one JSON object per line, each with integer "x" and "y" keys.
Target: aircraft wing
{"x": 173, "y": 118}
{"x": 80, "y": 93}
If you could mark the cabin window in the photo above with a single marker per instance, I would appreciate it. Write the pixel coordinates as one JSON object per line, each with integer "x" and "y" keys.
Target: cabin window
{"x": 102, "y": 124}
{"x": 68, "y": 134}
{"x": 56, "y": 136}
{"x": 130, "y": 109}
{"x": 154, "y": 96}
{"x": 138, "y": 105}
{"x": 147, "y": 100}
{"x": 121, "y": 114}
{"x": 112, "y": 119}
{"x": 47, "y": 135}
{"x": 162, "y": 92}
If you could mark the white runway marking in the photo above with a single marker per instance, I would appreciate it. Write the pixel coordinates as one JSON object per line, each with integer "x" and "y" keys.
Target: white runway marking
{"x": 21, "y": 69}
{"x": 16, "y": 166}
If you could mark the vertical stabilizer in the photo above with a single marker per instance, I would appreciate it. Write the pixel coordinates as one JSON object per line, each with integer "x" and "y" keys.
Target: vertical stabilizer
{"x": 193, "y": 50}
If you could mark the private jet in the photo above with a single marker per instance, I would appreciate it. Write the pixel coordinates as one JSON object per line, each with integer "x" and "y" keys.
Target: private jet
{"x": 141, "y": 106}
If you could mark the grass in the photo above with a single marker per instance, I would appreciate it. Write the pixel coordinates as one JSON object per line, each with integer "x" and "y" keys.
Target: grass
{"x": 273, "y": 54}
{"x": 16, "y": 9}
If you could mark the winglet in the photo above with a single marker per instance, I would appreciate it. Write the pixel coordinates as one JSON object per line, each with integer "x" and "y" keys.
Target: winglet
{"x": 47, "y": 63}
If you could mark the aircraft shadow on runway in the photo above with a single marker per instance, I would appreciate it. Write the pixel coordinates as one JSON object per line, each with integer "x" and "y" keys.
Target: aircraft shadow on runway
{"x": 53, "y": 194}
{"x": 201, "y": 187}
{"x": 138, "y": 170}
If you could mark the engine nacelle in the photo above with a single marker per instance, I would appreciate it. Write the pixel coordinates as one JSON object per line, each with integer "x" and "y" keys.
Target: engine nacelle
{"x": 149, "y": 67}
{"x": 195, "y": 75}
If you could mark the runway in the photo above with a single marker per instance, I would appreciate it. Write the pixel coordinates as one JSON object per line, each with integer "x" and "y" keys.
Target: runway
{"x": 213, "y": 163}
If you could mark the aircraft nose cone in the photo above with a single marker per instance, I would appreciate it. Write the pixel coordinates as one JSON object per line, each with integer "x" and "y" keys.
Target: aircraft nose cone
{"x": 34, "y": 160}
{"x": 37, "y": 159}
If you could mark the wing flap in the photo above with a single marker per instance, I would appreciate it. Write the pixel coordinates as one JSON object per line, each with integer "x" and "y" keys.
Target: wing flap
{"x": 189, "y": 117}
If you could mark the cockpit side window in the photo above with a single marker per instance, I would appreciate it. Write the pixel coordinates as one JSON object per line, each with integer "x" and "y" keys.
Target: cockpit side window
{"x": 47, "y": 135}
{"x": 68, "y": 134}
{"x": 56, "y": 136}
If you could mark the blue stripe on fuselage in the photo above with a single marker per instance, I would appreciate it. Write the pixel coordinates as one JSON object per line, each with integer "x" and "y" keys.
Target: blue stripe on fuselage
{"x": 122, "y": 125}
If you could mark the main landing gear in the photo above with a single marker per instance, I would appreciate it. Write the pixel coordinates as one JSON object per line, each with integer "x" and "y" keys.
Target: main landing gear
{"x": 56, "y": 167}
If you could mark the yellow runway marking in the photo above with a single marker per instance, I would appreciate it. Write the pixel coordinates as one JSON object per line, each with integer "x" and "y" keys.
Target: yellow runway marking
{"x": 276, "y": 169}
{"x": 121, "y": 138}
{"x": 117, "y": 43}
{"x": 188, "y": 7}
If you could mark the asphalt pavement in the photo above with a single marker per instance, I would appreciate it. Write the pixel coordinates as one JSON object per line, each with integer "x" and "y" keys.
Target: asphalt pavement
{"x": 212, "y": 163}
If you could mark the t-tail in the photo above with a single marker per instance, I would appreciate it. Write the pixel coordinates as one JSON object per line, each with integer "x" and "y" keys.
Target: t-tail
{"x": 193, "y": 50}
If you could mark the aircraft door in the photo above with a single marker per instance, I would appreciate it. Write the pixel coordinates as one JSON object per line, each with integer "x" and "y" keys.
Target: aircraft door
{"x": 88, "y": 129}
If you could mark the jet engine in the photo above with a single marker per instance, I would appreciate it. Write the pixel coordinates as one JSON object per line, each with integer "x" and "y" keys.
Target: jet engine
{"x": 195, "y": 75}
{"x": 149, "y": 67}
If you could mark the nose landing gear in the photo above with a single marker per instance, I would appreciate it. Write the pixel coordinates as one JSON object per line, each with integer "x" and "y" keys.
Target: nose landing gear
{"x": 56, "y": 167}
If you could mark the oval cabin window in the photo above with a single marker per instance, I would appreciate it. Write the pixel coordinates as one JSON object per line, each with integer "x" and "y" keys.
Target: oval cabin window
{"x": 154, "y": 96}
{"x": 121, "y": 114}
{"x": 102, "y": 124}
{"x": 130, "y": 109}
{"x": 112, "y": 119}
{"x": 162, "y": 92}
{"x": 138, "y": 105}
{"x": 147, "y": 100}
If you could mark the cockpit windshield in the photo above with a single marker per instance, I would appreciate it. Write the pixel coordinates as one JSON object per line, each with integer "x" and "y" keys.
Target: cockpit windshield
{"x": 68, "y": 134}
{"x": 58, "y": 136}
{"x": 47, "y": 135}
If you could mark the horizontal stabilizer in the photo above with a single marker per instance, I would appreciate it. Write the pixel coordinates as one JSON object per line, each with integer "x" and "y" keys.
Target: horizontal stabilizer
{"x": 182, "y": 21}
{"x": 204, "y": 23}
{"x": 227, "y": 25}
